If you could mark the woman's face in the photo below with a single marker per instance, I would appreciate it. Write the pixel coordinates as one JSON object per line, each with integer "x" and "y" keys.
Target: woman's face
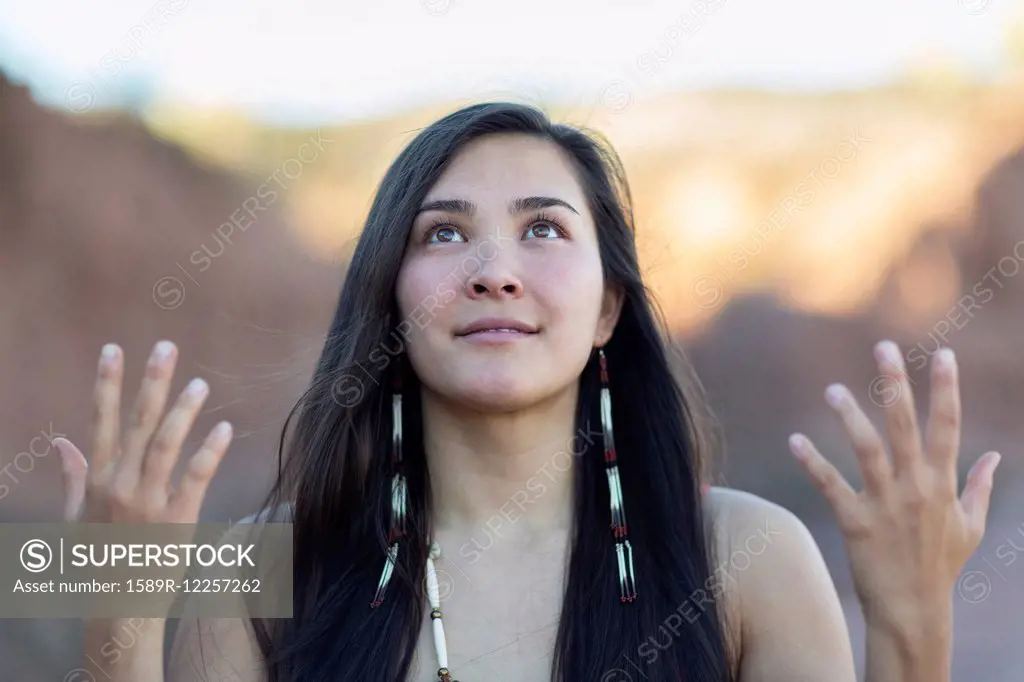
{"x": 501, "y": 288}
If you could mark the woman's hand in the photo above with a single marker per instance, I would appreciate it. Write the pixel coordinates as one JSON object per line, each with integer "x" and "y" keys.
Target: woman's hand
{"x": 128, "y": 480}
{"x": 907, "y": 533}
{"x": 128, "y": 477}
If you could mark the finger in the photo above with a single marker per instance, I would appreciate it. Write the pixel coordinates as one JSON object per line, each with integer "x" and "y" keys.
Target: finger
{"x": 825, "y": 476}
{"x": 978, "y": 491}
{"x": 188, "y": 500}
{"x": 943, "y": 434}
{"x": 900, "y": 415}
{"x": 867, "y": 444}
{"x": 166, "y": 446}
{"x": 149, "y": 405}
{"x": 106, "y": 421}
{"x": 74, "y": 469}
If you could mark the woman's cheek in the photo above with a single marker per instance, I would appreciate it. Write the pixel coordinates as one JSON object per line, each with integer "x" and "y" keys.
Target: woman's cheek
{"x": 424, "y": 294}
{"x": 414, "y": 287}
{"x": 571, "y": 288}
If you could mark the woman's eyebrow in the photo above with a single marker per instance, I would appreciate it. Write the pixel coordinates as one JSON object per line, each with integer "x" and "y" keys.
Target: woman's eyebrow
{"x": 536, "y": 203}
{"x": 449, "y": 206}
{"x": 515, "y": 206}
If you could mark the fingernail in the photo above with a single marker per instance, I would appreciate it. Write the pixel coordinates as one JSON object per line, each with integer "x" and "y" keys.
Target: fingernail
{"x": 834, "y": 394}
{"x": 108, "y": 354}
{"x": 947, "y": 358}
{"x": 196, "y": 387}
{"x": 222, "y": 430}
{"x": 888, "y": 350}
{"x": 162, "y": 351}
{"x": 990, "y": 475}
{"x": 60, "y": 453}
{"x": 797, "y": 442}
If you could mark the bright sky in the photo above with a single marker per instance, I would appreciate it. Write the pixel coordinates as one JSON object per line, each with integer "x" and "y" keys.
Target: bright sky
{"x": 311, "y": 60}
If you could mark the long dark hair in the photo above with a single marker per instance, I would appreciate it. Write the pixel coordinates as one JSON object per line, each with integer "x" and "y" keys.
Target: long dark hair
{"x": 337, "y": 472}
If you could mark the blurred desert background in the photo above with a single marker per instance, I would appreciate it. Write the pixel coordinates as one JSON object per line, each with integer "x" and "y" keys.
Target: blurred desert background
{"x": 783, "y": 233}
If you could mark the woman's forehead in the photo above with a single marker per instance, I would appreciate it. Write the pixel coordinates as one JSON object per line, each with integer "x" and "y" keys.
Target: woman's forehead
{"x": 499, "y": 167}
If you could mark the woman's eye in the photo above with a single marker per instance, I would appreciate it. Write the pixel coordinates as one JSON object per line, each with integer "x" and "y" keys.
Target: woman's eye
{"x": 445, "y": 234}
{"x": 543, "y": 231}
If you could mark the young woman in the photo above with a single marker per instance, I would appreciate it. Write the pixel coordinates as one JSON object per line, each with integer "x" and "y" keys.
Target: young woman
{"x": 495, "y": 411}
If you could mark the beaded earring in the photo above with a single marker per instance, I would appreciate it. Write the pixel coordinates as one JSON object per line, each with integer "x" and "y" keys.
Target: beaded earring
{"x": 620, "y": 531}
{"x": 399, "y": 495}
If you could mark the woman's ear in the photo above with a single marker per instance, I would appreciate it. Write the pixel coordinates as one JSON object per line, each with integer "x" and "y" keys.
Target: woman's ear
{"x": 611, "y": 308}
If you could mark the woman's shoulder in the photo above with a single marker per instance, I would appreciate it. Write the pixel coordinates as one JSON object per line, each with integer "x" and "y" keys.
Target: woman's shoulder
{"x": 207, "y": 648}
{"x": 771, "y": 572}
{"x": 755, "y": 541}
{"x": 739, "y": 515}
{"x": 282, "y": 513}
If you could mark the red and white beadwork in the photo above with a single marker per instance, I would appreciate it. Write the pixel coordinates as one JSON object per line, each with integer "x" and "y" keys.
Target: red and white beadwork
{"x": 399, "y": 498}
{"x": 620, "y": 530}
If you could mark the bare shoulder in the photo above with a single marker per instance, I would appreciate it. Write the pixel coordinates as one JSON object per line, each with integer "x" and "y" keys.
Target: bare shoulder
{"x": 757, "y": 544}
{"x": 280, "y": 514}
{"x": 220, "y": 649}
{"x": 778, "y": 591}
{"x": 741, "y": 528}
{"x": 744, "y": 521}
{"x": 214, "y": 650}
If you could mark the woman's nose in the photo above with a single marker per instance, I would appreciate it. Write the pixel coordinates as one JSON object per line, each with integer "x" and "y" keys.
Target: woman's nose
{"x": 493, "y": 280}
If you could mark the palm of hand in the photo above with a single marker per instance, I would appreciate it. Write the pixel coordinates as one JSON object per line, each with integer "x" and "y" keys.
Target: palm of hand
{"x": 907, "y": 533}
{"x": 129, "y": 476}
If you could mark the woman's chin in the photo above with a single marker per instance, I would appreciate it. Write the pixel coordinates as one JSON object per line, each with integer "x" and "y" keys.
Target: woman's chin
{"x": 497, "y": 394}
{"x": 497, "y": 401}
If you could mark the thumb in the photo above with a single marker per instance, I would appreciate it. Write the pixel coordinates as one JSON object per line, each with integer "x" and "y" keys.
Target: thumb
{"x": 74, "y": 468}
{"x": 978, "y": 491}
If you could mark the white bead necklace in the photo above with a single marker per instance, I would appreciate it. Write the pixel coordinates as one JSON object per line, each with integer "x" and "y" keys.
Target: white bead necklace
{"x": 434, "y": 595}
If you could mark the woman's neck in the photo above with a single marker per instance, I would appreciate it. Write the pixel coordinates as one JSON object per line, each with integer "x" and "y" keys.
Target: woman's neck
{"x": 510, "y": 474}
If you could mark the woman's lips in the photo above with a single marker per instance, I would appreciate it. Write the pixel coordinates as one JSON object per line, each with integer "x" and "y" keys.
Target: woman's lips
{"x": 498, "y": 336}
{"x": 484, "y": 324}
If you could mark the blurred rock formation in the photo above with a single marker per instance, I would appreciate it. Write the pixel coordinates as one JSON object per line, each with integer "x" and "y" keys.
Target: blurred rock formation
{"x": 101, "y": 220}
